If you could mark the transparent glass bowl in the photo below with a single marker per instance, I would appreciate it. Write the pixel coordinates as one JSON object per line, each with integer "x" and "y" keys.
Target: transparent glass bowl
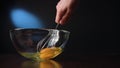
{"x": 39, "y": 44}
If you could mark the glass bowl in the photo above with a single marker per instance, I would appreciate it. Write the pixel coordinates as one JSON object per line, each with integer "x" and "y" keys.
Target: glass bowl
{"x": 39, "y": 44}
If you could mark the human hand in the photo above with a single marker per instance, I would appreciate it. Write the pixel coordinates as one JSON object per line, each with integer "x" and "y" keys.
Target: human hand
{"x": 64, "y": 10}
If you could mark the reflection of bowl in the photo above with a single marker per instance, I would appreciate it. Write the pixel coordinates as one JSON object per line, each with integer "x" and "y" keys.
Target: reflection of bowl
{"x": 39, "y": 44}
{"x": 44, "y": 64}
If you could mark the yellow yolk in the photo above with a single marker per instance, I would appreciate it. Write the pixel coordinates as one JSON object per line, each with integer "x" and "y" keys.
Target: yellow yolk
{"x": 48, "y": 53}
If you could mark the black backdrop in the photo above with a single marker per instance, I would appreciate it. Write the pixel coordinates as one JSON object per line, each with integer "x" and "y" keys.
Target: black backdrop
{"x": 92, "y": 26}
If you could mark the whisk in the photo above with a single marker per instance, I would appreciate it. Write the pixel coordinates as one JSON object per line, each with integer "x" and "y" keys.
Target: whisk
{"x": 49, "y": 40}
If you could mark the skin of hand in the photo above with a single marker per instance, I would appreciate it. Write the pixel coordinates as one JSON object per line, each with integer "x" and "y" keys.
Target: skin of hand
{"x": 65, "y": 9}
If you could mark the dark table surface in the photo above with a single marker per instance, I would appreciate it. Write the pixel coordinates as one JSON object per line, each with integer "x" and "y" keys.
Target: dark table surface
{"x": 67, "y": 61}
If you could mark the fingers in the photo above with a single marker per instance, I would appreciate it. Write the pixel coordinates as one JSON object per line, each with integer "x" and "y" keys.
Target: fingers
{"x": 59, "y": 15}
{"x": 62, "y": 16}
{"x": 65, "y": 17}
{"x": 60, "y": 12}
{"x": 64, "y": 11}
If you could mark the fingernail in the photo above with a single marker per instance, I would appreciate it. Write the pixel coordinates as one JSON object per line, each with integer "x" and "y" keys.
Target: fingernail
{"x": 61, "y": 22}
{"x": 56, "y": 21}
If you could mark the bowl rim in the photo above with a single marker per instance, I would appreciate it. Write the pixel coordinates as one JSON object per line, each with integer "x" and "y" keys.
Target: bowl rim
{"x": 48, "y": 29}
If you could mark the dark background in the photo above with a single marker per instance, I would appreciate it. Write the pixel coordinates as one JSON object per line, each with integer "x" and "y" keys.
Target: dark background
{"x": 92, "y": 26}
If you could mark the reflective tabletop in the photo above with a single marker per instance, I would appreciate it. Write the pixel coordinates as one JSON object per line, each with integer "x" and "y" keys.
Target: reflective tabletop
{"x": 66, "y": 61}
